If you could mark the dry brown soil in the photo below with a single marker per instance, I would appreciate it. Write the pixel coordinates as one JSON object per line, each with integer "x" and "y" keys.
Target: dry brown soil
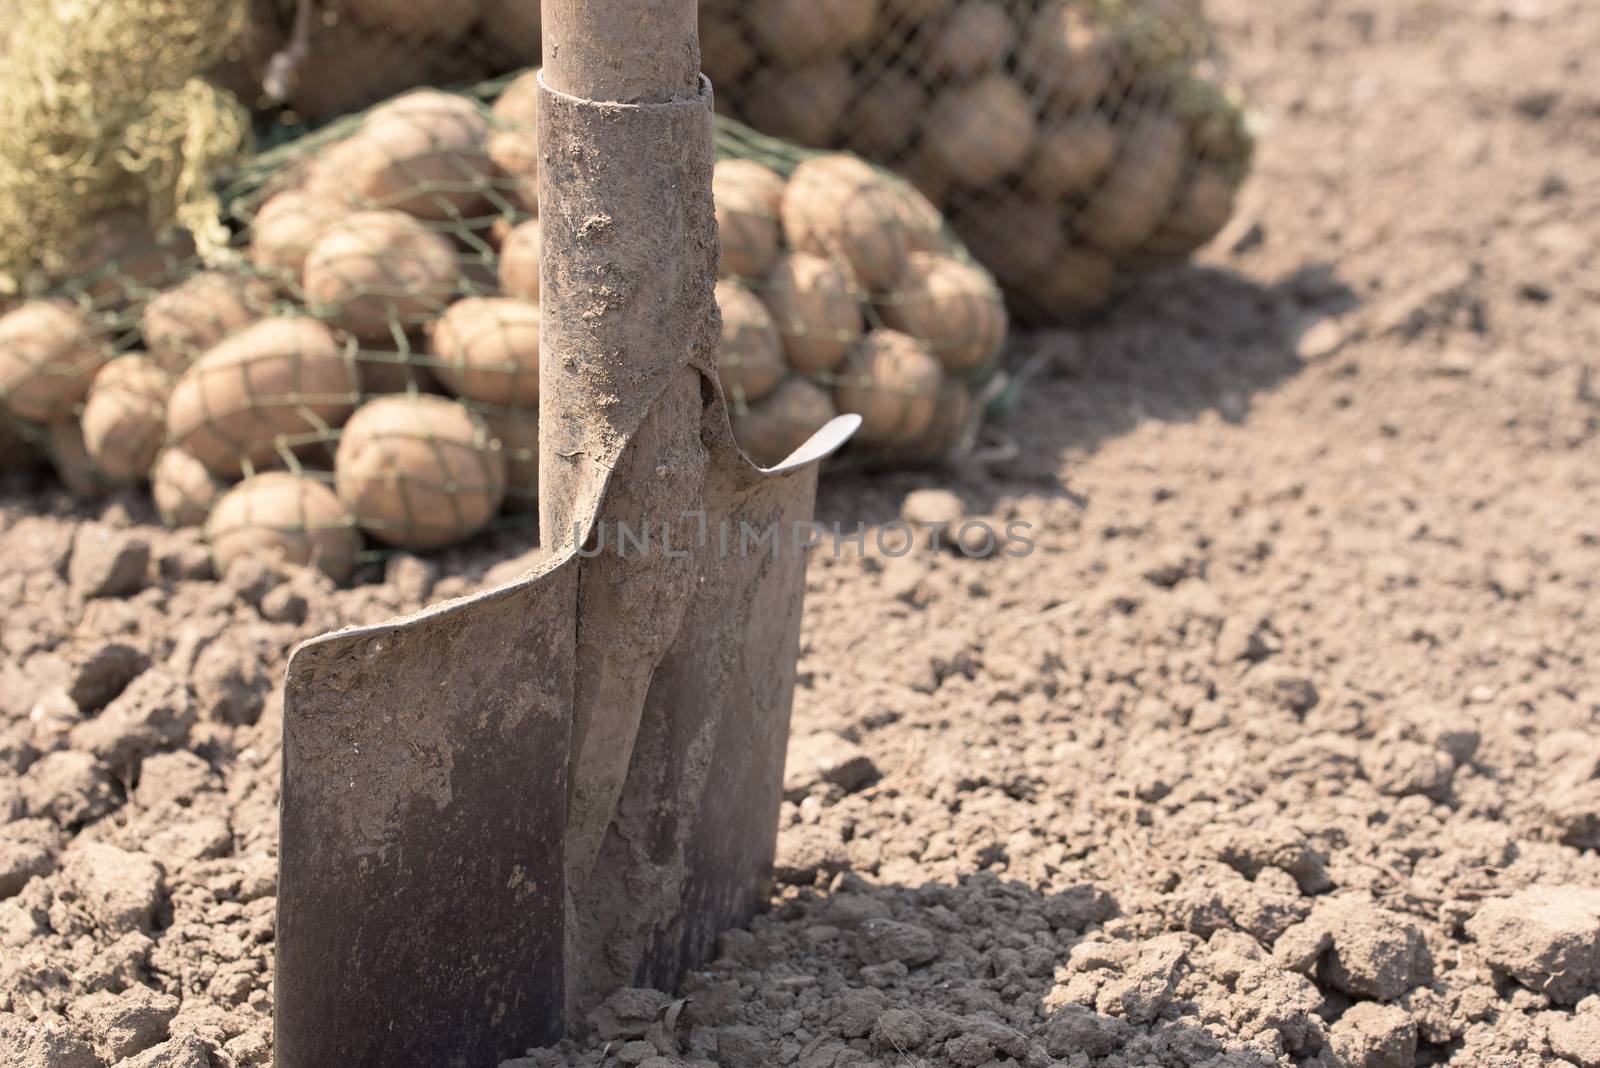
{"x": 1282, "y": 747}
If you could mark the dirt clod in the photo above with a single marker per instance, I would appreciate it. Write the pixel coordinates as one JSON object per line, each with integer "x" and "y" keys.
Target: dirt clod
{"x": 814, "y": 759}
{"x": 107, "y": 562}
{"x": 124, "y": 1024}
{"x": 1370, "y": 1035}
{"x": 1545, "y": 937}
{"x": 118, "y": 890}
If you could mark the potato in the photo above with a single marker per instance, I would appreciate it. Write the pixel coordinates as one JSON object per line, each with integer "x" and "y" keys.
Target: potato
{"x": 256, "y": 392}
{"x": 518, "y": 435}
{"x": 290, "y": 517}
{"x": 125, "y": 417}
{"x": 952, "y": 415}
{"x": 426, "y": 154}
{"x": 349, "y": 66}
{"x": 519, "y": 261}
{"x": 286, "y": 227}
{"x": 750, "y": 358}
{"x": 839, "y": 207}
{"x": 748, "y": 196}
{"x": 909, "y": 13}
{"x": 70, "y": 459}
{"x": 1218, "y": 131}
{"x": 797, "y": 32}
{"x": 487, "y": 350}
{"x": 770, "y": 431}
{"x": 376, "y": 272}
{"x": 1066, "y": 57}
{"x": 1016, "y": 237}
{"x": 805, "y": 104}
{"x": 981, "y": 132}
{"x": 950, "y": 305}
{"x": 417, "y": 20}
{"x": 883, "y": 118}
{"x": 17, "y": 451}
{"x": 726, "y": 54}
{"x": 892, "y": 381}
{"x": 1201, "y": 210}
{"x": 974, "y": 39}
{"x": 197, "y": 313}
{"x": 419, "y": 471}
{"x": 814, "y": 306}
{"x": 183, "y": 489}
{"x": 1070, "y": 155}
{"x": 920, "y": 219}
{"x": 49, "y": 352}
{"x": 513, "y": 142}
{"x": 1079, "y": 282}
{"x": 389, "y": 369}
{"x": 1140, "y": 187}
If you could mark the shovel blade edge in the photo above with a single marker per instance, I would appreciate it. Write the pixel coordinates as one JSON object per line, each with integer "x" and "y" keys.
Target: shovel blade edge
{"x": 421, "y": 893}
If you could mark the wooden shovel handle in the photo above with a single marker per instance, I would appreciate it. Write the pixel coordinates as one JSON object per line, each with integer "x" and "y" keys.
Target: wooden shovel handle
{"x": 626, "y": 51}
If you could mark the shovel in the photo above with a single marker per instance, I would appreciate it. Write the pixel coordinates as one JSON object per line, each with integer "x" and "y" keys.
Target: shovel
{"x": 500, "y": 810}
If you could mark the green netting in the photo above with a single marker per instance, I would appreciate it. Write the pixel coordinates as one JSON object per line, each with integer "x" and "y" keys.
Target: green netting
{"x": 361, "y": 362}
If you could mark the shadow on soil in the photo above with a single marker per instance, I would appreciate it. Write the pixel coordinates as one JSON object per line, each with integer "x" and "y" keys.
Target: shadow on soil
{"x": 1183, "y": 343}
{"x": 975, "y": 962}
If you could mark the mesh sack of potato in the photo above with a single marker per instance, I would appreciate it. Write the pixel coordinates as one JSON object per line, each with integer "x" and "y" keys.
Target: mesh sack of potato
{"x": 1073, "y": 144}
{"x": 374, "y": 333}
{"x": 412, "y": 231}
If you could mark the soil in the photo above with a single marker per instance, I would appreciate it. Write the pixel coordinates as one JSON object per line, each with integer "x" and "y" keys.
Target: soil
{"x": 1280, "y": 747}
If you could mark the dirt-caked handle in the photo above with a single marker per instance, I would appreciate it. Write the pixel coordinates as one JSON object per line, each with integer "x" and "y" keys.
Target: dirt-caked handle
{"x": 624, "y": 51}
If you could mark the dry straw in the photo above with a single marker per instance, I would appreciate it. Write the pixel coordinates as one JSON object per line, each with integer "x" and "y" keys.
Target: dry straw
{"x": 101, "y": 110}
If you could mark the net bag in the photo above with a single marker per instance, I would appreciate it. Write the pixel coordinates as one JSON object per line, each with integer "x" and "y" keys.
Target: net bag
{"x": 1073, "y": 144}
{"x": 359, "y": 370}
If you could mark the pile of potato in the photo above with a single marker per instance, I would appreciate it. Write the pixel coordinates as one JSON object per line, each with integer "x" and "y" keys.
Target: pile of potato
{"x": 366, "y": 367}
{"x": 840, "y": 292}
{"x": 1072, "y": 143}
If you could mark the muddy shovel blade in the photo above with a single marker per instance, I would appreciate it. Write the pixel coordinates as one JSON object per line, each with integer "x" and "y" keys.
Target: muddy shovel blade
{"x": 423, "y": 912}
{"x": 421, "y": 886}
